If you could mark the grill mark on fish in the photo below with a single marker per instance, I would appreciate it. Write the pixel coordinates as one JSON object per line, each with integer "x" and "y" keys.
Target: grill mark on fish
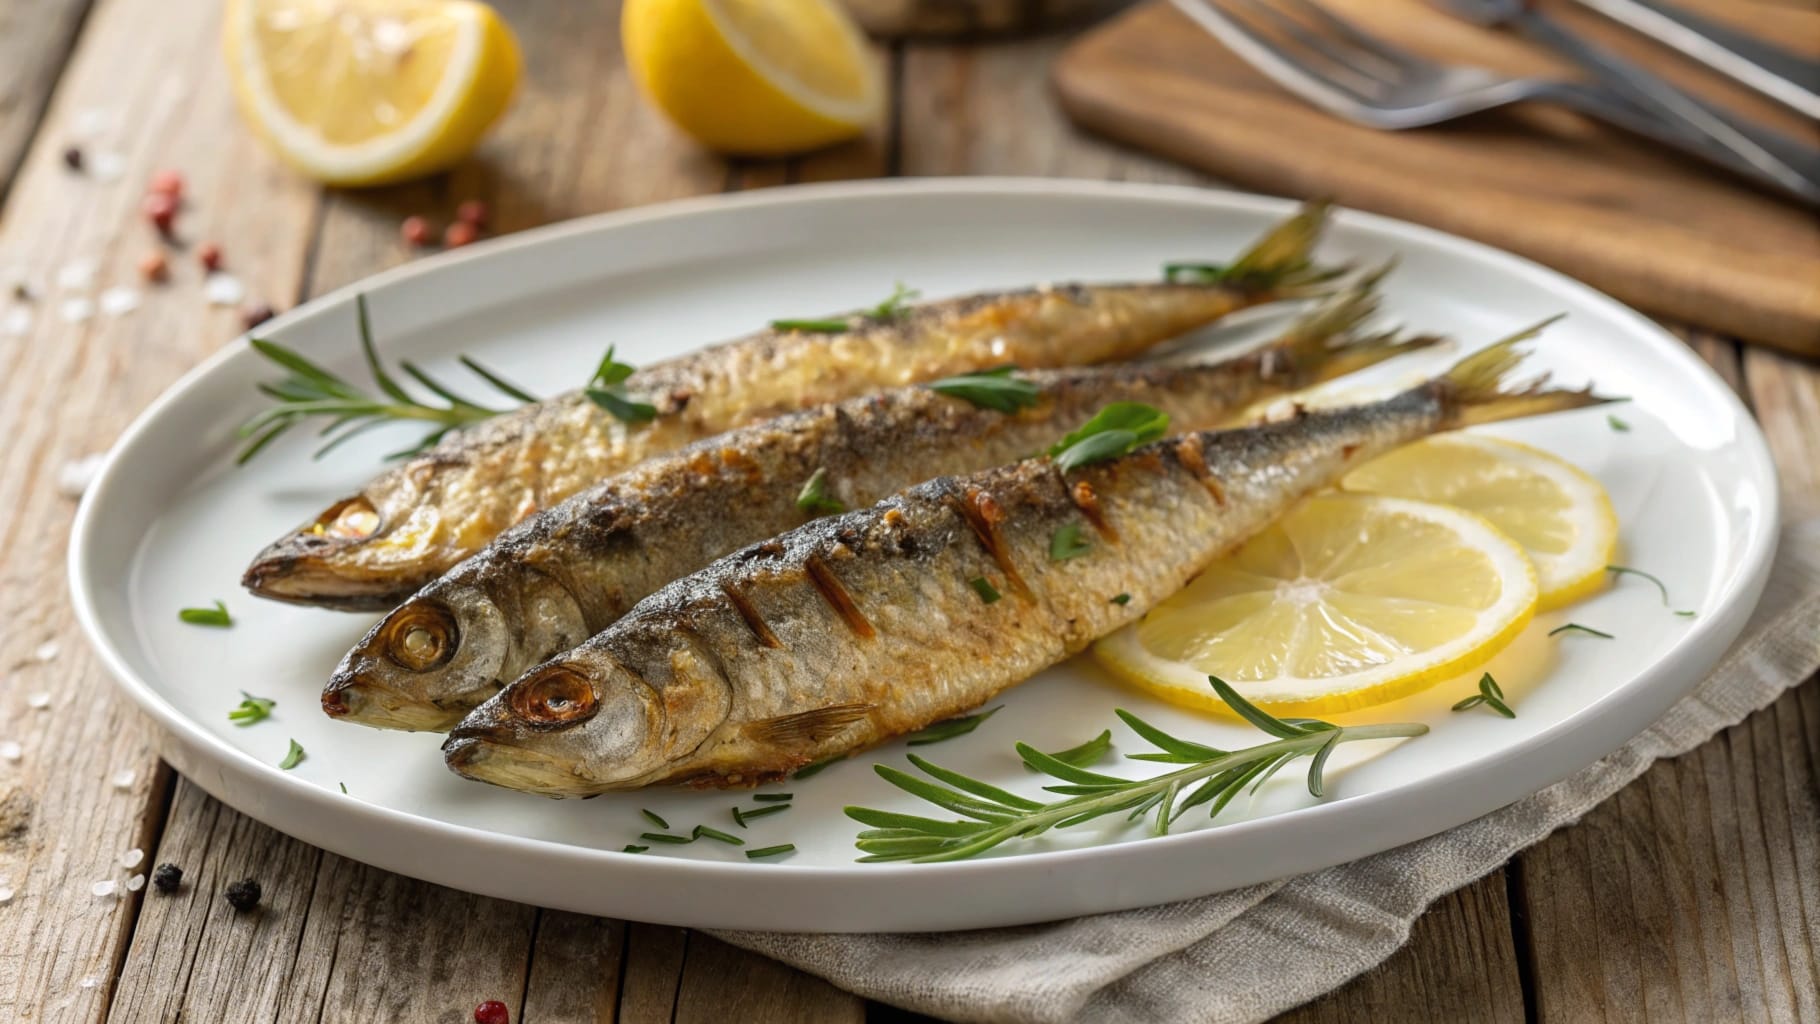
{"x": 1089, "y": 503}
{"x": 749, "y": 612}
{"x": 831, "y": 588}
{"x": 1189, "y": 450}
{"x": 985, "y": 517}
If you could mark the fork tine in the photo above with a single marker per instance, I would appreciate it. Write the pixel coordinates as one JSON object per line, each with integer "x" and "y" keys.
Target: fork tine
{"x": 1360, "y": 62}
{"x": 1360, "y": 38}
{"x": 1274, "y": 61}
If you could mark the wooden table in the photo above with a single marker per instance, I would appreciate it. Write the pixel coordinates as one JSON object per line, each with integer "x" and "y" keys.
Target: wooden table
{"x": 1691, "y": 896}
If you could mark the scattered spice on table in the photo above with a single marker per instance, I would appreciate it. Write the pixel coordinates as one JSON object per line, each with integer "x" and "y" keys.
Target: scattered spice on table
{"x": 72, "y": 157}
{"x": 255, "y": 314}
{"x": 167, "y": 877}
{"x": 166, "y": 183}
{"x": 103, "y": 888}
{"x": 161, "y": 210}
{"x": 472, "y": 211}
{"x": 492, "y": 1012}
{"x": 135, "y": 883}
{"x": 415, "y": 230}
{"x": 459, "y": 234}
{"x": 209, "y": 255}
{"x": 243, "y": 895}
{"x": 154, "y": 267}
{"x": 132, "y": 858}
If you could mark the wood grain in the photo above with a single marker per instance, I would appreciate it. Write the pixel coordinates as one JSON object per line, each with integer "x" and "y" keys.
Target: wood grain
{"x": 1649, "y": 226}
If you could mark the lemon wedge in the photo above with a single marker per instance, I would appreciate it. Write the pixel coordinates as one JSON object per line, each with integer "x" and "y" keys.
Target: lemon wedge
{"x": 754, "y": 77}
{"x": 1560, "y": 515}
{"x": 1347, "y": 601}
{"x": 365, "y": 92}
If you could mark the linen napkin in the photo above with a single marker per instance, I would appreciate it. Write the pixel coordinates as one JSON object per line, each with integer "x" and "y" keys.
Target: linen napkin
{"x": 1242, "y": 956}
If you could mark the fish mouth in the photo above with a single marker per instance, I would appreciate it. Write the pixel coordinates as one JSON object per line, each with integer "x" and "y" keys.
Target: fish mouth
{"x": 351, "y": 698}
{"x": 478, "y": 753}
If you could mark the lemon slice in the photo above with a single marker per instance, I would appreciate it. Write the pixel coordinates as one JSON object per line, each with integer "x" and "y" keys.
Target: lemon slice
{"x": 364, "y": 92}
{"x": 1560, "y": 515}
{"x": 757, "y": 77}
{"x": 1347, "y": 601}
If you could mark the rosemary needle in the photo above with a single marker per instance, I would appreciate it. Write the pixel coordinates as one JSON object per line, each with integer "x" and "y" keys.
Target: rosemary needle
{"x": 653, "y": 818}
{"x": 771, "y": 798}
{"x": 1580, "y": 628}
{"x": 771, "y": 851}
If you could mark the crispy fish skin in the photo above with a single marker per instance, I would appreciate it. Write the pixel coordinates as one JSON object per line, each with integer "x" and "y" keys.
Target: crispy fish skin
{"x": 860, "y": 627}
{"x": 369, "y": 551}
{"x": 571, "y": 571}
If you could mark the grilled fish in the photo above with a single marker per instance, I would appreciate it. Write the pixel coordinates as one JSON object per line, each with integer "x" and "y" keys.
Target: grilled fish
{"x": 570, "y": 571}
{"x": 412, "y": 523}
{"x": 855, "y": 628}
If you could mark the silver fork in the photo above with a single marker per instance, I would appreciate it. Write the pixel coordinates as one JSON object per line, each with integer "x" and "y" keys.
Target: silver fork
{"x": 1348, "y": 72}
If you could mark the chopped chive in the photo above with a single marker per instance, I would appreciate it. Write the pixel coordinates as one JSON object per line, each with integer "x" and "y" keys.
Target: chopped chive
{"x": 1121, "y": 599}
{"x": 653, "y": 818}
{"x": 1583, "y": 629}
{"x": 665, "y": 837}
{"x": 984, "y": 588}
{"x": 1617, "y": 424}
{"x": 742, "y": 816}
{"x": 634, "y": 848}
{"x": 994, "y": 389}
{"x": 828, "y": 326}
{"x": 292, "y": 757}
{"x": 949, "y": 729}
{"x": 1687, "y": 614}
{"x": 816, "y": 768}
{"x": 252, "y": 709}
{"x": 216, "y": 616}
{"x": 1621, "y": 570}
{"x": 1067, "y": 543}
{"x": 773, "y": 798}
{"x": 704, "y": 832}
{"x": 814, "y": 497}
{"x": 770, "y": 851}
{"x": 343, "y": 785}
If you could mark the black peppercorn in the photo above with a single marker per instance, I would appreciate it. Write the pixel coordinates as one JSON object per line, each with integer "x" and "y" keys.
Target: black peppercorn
{"x": 243, "y": 895}
{"x": 167, "y": 877}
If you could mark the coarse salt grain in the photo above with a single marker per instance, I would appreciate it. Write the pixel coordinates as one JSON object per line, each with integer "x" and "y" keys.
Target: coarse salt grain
{"x": 48, "y": 651}
{"x": 76, "y": 275}
{"x": 90, "y": 982}
{"x": 223, "y": 290}
{"x": 38, "y": 701}
{"x": 123, "y": 779}
{"x": 105, "y": 887}
{"x": 74, "y": 476}
{"x": 135, "y": 883}
{"x": 119, "y": 300}
{"x": 17, "y": 322}
{"x": 132, "y": 858}
{"x": 106, "y": 166}
{"x": 77, "y": 309}
{"x": 10, "y": 750}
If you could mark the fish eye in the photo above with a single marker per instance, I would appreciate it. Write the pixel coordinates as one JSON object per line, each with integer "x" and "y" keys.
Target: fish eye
{"x": 353, "y": 519}
{"x": 421, "y": 636}
{"x": 555, "y": 696}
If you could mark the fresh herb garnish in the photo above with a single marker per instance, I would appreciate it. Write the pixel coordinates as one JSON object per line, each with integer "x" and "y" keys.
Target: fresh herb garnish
{"x": 773, "y": 798}
{"x": 1208, "y": 776}
{"x": 665, "y": 837}
{"x": 217, "y": 616}
{"x": 827, "y": 326}
{"x": 984, "y": 588}
{"x": 742, "y": 815}
{"x": 634, "y": 848}
{"x": 1121, "y": 599}
{"x": 890, "y": 309}
{"x": 1687, "y": 613}
{"x": 1623, "y": 570}
{"x": 817, "y": 767}
{"x": 704, "y": 832}
{"x": 1490, "y": 694}
{"x": 1617, "y": 424}
{"x": 895, "y": 303}
{"x": 607, "y": 390}
{"x": 313, "y": 392}
{"x": 994, "y": 389}
{"x": 1194, "y": 273}
{"x": 292, "y": 757}
{"x": 1113, "y": 431}
{"x": 949, "y": 729}
{"x": 770, "y": 851}
{"x": 653, "y": 818}
{"x": 1088, "y": 752}
{"x": 252, "y": 709}
{"x": 1583, "y": 629}
{"x": 344, "y": 787}
{"x": 814, "y": 497}
{"x": 1067, "y": 543}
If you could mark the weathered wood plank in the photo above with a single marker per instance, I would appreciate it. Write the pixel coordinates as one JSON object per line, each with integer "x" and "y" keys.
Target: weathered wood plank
{"x": 721, "y": 982}
{"x": 35, "y": 40}
{"x": 575, "y": 968}
{"x": 66, "y": 390}
{"x": 653, "y": 973}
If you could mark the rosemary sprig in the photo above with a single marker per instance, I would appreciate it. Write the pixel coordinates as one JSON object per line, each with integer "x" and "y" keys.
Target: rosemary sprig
{"x": 311, "y": 392}
{"x": 607, "y": 390}
{"x": 949, "y": 729}
{"x": 1087, "y": 753}
{"x": 1580, "y": 628}
{"x": 1625, "y": 570}
{"x": 1490, "y": 694}
{"x": 1113, "y": 431}
{"x": 252, "y": 709}
{"x": 894, "y": 306}
{"x": 1208, "y": 776}
{"x": 994, "y": 389}
{"x": 217, "y": 616}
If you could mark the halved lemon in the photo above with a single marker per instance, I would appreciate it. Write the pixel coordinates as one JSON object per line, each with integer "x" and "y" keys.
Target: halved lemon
{"x": 365, "y": 92}
{"x": 1560, "y": 515}
{"x": 1347, "y": 601}
{"x": 755, "y": 77}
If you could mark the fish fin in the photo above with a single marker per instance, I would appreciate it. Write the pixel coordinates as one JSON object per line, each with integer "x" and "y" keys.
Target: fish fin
{"x": 807, "y": 726}
{"x": 1482, "y": 388}
{"x": 1280, "y": 262}
{"x": 1325, "y": 344}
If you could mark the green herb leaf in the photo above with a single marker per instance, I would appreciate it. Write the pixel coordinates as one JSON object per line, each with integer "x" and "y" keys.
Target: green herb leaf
{"x": 895, "y": 303}
{"x": 814, "y": 497}
{"x": 652, "y": 817}
{"x": 344, "y": 787}
{"x": 1624, "y": 570}
{"x": 1252, "y": 713}
{"x": 770, "y": 798}
{"x": 252, "y": 709}
{"x": 951, "y": 728}
{"x": 817, "y": 767}
{"x": 665, "y": 837}
{"x": 1617, "y": 424}
{"x": 994, "y": 389}
{"x": 1491, "y": 695}
{"x": 216, "y": 616}
{"x": 1471, "y": 702}
{"x": 611, "y": 371}
{"x": 1087, "y": 753}
{"x": 292, "y": 757}
{"x": 984, "y": 588}
{"x": 704, "y": 832}
{"x": 633, "y": 848}
{"x": 1687, "y": 614}
{"x": 1121, "y": 599}
{"x": 1113, "y": 431}
{"x": 1067, "y": 543}
{"x": 828, "y": 326}
{"x": 742, "y": 815}
{"x": 770, "y": 851}
{"x": 1583, "y": 629}
{"x": 605, "y": 390}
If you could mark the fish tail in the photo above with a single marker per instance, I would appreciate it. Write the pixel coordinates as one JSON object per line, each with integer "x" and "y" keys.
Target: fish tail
{"x": 1327, "y": 343}
{"x": 1482, "y": 388}
{"x": 1281, "y": 263}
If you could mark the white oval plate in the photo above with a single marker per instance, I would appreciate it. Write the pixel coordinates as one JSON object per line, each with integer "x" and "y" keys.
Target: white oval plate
{"x": 170, "y": 523}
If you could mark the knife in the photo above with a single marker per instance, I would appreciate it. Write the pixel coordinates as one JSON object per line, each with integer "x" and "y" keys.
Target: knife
{"x": 1788, "y": 78}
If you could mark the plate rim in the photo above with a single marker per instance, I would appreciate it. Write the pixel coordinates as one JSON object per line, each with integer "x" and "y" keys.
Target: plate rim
{"x": 331, "y": 821}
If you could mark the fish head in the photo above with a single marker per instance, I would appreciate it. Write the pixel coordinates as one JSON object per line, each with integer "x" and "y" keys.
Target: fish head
{"x": 584, "y": 723}
{"x": 340, "y": 560}
{"x": 425, "y": 664}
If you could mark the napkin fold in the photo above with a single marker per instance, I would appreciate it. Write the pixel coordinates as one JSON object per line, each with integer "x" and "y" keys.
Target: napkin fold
{"x": 1245, "y": 955}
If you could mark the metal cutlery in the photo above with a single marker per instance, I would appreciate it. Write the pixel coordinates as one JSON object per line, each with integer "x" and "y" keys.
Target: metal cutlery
{"x": 1788, "y": 78}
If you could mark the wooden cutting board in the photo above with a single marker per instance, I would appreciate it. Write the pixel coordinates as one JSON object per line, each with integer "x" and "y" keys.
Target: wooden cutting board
{"x": 1655, "y": 229}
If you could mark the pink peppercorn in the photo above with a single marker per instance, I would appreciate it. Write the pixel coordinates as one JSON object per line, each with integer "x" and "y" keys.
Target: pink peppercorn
{"x": 492, "y": 1012}
{"x": 256, "y": 314}
{"x": 472, "y": 212}
{"x": 209, "y": 255}
{"x": 153, "y": 266}
{"x": 161, "y": 210}
{"x": 459, "y": 234}
{"x": 415, "y": 230}
{"x": 167, "y": 183}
